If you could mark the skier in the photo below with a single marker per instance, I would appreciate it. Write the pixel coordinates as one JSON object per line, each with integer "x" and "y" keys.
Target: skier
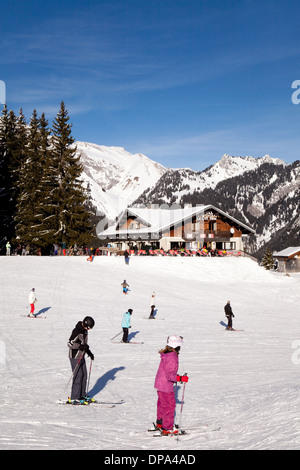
{"x": 63, "y": 245}
{"x": 127, "y": 257}
{"x": 229, "y": 314}
{"x": 151, "y": 316}
{"x": 91, "y": 255}
{"x": 126, "y": 324}
{"x": 32, "y": 299}
{"x": 8, "y": 247}
{"x": 165, "y": 379}
{"x": 78, "y": 347}
{"x": 125, "y": 286}
{"x": 152, "y": 303}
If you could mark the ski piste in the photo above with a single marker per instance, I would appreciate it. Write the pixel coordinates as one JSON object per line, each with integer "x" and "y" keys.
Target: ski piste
{"x": 228, "y": 329}
{"x": 32, "y": 316}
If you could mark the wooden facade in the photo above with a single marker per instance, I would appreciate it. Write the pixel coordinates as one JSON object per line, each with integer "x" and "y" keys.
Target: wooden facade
{"x": 192, "y": 228}
{"x": 288, "y": 260}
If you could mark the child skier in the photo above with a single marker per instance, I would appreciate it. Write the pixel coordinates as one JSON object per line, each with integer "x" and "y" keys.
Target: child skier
{"x": 92, "y": 256}
{"x": 125, "y": 286}
{"x": 152, "y": 306}
{"x": 165, "y": 379}
{"x": 32, "y": 299}
{"x": 126, "y": 324}
{"x": 229, "y": 314}
{"x": 152, "y": 311}
{"x": 78, "y": 346}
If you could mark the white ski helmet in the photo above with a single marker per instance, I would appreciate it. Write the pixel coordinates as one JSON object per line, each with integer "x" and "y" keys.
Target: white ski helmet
{"x": 174, "y": 341}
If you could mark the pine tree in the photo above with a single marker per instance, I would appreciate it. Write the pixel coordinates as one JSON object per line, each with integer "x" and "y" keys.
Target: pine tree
{"x": 41, "y": 194}
{"x": 45, "y": 211}
{"x": 11, "y": 157}
{"x": 73, "y": 218}
{"x": 268, "y": 260}
{"x": 5, "y": 184}
{"x": 29, "y": 186}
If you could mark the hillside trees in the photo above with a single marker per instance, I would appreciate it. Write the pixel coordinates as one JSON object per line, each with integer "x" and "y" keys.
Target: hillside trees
{"x": 73, "y": 220}
{"x": 12, "y": 154}
{"x": 40, "y": 188}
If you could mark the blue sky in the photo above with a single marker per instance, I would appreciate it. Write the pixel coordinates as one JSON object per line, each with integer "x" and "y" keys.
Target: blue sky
{"x": 181, "y": 81}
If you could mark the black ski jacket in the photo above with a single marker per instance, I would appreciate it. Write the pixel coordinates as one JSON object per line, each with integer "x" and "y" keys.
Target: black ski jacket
{"x": 228, "y": 311}
{"x": 78, "y": 338}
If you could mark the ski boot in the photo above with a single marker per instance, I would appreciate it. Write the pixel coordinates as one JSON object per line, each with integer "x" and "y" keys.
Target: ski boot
{"x": 88, "y": 399}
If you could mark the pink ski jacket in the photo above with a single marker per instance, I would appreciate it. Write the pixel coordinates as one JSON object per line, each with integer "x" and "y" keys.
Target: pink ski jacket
{"x": 167, "y": 372}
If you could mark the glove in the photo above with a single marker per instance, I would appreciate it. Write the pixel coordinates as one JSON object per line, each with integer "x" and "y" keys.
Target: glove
{"x": 84, "y": 347}
{"x": 90, "y": 354}
{"x": 182, "y": 378}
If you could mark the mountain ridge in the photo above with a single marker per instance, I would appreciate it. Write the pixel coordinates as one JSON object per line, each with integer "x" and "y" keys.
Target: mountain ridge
{"x": 264, "y": 192}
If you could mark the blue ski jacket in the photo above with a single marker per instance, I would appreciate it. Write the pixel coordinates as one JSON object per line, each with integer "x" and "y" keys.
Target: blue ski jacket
{"x": 126, "y": 320}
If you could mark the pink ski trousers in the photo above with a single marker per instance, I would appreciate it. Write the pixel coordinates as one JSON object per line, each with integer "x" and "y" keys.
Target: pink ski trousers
{"x": 166, "y": 405}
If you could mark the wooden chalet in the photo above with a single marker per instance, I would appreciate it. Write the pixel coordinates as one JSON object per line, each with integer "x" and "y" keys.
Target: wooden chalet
{"x": 288, "y": 259}
{"x": 190, "y": 228}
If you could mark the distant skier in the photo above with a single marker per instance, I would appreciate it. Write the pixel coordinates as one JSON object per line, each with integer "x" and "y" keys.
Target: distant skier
{"x": 166, "y": 377}
{"x": 127, "y": 257}
{"x": 125, "y": 286}
{"x": 78, "y": 347}
{"x": 91, "y": 256}
{"x": 229, "y": 315}
{"x": 152, "y": 306}
{"x": 152, "y": 311}
{"x": 126, "y": 324}
{"x": 8, "y": 247}
{"x": 32, "y": 299}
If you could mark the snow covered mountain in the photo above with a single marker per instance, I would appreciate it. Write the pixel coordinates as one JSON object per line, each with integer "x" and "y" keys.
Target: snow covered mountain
{"x": 116, "y": 177}
{"x": 175, "y": 184}
{"x": 264, "y": 192}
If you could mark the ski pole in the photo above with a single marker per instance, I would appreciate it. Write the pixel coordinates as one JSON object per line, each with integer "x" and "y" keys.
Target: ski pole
{"x": 182, "y": 401}
{"x": 88, "y": 382}
{"x": 73, "y": 372}
{"x": 117, "y": 335}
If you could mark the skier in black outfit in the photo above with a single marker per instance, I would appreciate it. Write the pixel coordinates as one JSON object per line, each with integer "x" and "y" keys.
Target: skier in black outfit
{"x": 229, "y": 314}
{"x": 78, "y": 347}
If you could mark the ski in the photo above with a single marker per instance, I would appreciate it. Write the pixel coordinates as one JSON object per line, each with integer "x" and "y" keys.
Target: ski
{"x": 35, "y": 316}
{"x": 179, "y": 433}
{"x": 109, "y": 402}
{"x": 89, "y": 403}
{"x": 158, "y": 432}
{"x": 187, "y": 430}
{"x": 226, "y": 327}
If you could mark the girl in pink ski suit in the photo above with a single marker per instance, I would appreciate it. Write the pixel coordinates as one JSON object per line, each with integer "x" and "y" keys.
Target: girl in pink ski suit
{"x": 165, "y": 379}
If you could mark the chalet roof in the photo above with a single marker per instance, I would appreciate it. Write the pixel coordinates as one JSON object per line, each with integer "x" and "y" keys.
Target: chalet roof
{"x": 157, "y": 220}
{"x": 290, "y": 251}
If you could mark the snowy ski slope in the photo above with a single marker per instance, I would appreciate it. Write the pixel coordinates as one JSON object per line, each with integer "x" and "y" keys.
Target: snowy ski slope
{"x": 246, "y": 383}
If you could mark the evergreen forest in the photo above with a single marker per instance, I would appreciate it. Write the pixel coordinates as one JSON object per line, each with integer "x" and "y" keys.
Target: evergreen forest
{"x": 42, "y": 198}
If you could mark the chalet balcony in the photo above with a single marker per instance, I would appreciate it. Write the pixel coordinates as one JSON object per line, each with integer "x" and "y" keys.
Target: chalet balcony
{"x": 207, "y": 235}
